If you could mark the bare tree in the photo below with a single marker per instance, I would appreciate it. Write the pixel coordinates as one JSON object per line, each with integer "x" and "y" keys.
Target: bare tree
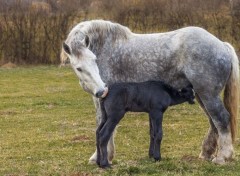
{"x": 235, "y": 13}
{"x": 32, "y": 31}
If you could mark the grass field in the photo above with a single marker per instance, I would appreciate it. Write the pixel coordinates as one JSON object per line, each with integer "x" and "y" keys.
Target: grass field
{"x": 47, "y": 127}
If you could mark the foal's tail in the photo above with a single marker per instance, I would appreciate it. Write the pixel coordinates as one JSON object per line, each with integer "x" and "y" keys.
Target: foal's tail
{"x": 231, "y": 92}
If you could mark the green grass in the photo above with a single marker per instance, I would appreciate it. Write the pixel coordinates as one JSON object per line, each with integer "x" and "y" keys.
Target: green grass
{"x": 47, "y": 127}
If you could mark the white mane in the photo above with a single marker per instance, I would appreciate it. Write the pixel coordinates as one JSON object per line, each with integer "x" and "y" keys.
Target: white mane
{"x": 98, "y": 32}
{"x": 103, "y": 29}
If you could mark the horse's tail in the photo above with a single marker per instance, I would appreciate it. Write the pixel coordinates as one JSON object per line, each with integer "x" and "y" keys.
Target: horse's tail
{"x": 231, "y": 92}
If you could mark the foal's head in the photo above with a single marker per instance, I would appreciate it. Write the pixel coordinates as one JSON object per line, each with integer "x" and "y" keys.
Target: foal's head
{"x": 83, "y": 62}
{"x": 188, "y": 94}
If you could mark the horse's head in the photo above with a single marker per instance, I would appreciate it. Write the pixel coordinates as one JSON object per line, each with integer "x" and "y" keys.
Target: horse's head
{"x": 83, "y": 62}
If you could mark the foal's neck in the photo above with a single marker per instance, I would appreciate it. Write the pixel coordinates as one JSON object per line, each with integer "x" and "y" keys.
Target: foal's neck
{"x": 177, "y": 99}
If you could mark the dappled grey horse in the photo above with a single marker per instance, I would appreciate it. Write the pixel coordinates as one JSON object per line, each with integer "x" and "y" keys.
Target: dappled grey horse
{"x": 102, "y": 52}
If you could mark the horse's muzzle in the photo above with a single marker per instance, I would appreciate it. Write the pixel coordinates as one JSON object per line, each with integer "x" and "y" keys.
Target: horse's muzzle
{"x": 102, "y": 93}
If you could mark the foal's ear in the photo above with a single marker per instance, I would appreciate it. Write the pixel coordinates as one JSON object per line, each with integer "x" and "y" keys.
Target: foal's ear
{"x": 66, "y": 48}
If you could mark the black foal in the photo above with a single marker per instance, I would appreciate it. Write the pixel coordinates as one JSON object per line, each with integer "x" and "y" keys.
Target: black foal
{"x": 152, "y": 97}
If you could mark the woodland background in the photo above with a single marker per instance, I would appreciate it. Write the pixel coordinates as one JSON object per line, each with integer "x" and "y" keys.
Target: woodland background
{"x": 32, "y": 31}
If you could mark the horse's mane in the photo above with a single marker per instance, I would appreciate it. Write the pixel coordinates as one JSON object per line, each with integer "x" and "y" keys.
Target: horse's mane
{"x": 104, "y": 28}
{"x": 98, "y": 32}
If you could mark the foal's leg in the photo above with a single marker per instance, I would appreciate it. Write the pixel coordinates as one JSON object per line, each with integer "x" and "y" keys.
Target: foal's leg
{"x": 221, "y": 119}
{"x": 209, "y": 144}
{"x": 111, "y": 147}
{"x": 105, "y": 134}
{"x": 151, "y": 147}
{"x": 156, "y": 120}
{"x": 97, "y": 139}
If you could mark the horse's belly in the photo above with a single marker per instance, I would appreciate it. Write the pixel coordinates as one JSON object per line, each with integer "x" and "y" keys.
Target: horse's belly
{"x": 136, "y": 73}
{"x": 140, "y": 67}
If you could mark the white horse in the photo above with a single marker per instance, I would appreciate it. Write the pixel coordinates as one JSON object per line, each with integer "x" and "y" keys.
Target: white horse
{"x": 102, "y": 52}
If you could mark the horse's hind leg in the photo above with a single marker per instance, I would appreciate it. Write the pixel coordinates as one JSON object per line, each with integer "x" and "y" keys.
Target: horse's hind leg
{"x": 221, "y": 120}
{"x": 209, "y": 144}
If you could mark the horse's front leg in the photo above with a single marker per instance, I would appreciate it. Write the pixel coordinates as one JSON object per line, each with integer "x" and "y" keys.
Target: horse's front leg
{"x": 111, "y": 146}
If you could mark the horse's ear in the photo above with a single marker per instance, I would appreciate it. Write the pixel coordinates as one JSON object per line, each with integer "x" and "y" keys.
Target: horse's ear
{"x": 87, "y": 41}
{"x": 66, "y": 48}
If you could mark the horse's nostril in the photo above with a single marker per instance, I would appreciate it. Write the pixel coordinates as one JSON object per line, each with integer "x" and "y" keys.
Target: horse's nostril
{"x": 99, "y": 93}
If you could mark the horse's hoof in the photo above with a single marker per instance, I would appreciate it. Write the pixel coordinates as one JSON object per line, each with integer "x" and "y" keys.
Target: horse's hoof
{"x": 93, "y": 159}
{"x": 110, "y": 162}
{"x": 219, "y": 161}
{"x": 92, "y": 162}
{"x": 204, "y": 157}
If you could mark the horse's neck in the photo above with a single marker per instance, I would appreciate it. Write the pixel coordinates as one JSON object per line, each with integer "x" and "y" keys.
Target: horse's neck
{"x": 101, "y": 46}
{"x": 96, "y": 47}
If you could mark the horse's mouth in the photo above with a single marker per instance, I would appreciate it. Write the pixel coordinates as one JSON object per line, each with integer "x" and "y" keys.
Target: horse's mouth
{"x": 105, "y": 92}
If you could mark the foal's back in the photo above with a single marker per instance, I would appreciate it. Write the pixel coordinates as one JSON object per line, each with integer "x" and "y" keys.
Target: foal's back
{"x": 139, "y": 97}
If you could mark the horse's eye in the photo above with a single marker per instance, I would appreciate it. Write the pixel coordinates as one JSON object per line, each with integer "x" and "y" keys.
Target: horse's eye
{"x": 79, "y": 69}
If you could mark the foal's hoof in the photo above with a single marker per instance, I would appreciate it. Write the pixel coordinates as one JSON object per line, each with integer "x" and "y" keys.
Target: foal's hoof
{"x": 98, "y": 163}
{"x": 105, "y": 166}
{"x": 150, "y": 155}
{"x": 157, "y": 159}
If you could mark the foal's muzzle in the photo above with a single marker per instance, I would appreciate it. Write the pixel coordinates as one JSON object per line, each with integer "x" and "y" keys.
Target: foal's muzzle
{"x": 191, "y": 101}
